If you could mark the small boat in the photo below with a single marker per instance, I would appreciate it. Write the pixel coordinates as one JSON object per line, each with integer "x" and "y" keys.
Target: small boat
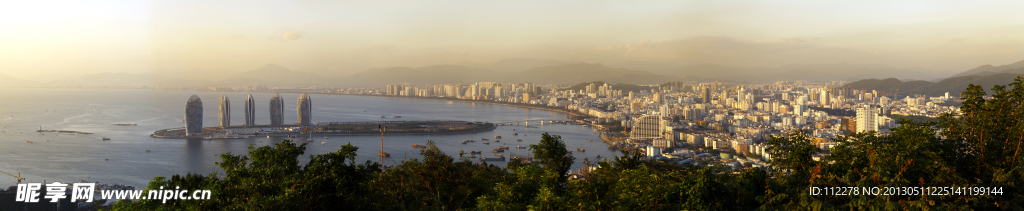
{"x": 492, "y": 159}
{"x": 497, "y": 140}
{"x": 322, "y": 143}
{"x": 488, "y": 143}
{"x": 396, "y": 117}
{"x": 105, "y": 138}
{"x": 268, "y": 136}
{"x": 515, "y": 134}
{"x": 497, "y": 150}
{"x": 418, "y": 146}
{"x": 497, "y": 137}
{"x": 384, "y": 154}
{"x": 520, "y": 147}
{"x": 581, "y": 149}
{"x": 485, "y": 139}
{"x": 474, "y": 152}
{"x": 147, "y": 150}
{"x": 107, "y": 159}
{"x": 520, "y": 140}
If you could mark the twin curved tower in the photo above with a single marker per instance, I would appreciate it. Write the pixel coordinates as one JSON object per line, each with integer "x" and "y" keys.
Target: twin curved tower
{"x": 194, "y": 112}
{"x": 193, "y": 116}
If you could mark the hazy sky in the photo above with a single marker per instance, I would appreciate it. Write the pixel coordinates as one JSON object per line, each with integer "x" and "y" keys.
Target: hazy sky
{"x": 39, "y": 39}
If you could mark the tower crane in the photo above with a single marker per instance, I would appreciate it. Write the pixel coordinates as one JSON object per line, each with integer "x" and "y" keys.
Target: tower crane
{"x": 20, "y": 179}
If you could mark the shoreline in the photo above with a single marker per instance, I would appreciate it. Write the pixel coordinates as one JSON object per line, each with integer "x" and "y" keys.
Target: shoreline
{"x": 539, "y": 107}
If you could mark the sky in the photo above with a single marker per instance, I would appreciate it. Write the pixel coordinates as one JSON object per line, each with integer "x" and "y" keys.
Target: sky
{"x": 44, "y": 39}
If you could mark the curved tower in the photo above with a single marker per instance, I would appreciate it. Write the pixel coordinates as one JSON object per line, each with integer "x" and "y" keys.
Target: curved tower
{"x": 194, "y": 116}
{"x": 250, "y": 111}
{"x": 224, "y": 111}
{"x": 276, "y": 110}
{"x": 304, "y": 109}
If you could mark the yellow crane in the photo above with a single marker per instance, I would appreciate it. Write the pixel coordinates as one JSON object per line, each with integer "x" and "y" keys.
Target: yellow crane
{"x": 18, "y": 176}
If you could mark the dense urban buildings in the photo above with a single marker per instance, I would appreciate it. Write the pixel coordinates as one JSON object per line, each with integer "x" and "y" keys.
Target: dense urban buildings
{"x": 193, "y": 116}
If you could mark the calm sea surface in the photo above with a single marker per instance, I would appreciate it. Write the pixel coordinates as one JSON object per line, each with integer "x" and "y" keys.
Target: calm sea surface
{"x": 70, "y": 158}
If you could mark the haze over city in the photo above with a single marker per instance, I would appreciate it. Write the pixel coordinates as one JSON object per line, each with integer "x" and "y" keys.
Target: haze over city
{"x": 212, "y": 41}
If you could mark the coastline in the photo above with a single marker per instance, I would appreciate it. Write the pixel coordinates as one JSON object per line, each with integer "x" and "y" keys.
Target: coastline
{"x": 519, "y": 105}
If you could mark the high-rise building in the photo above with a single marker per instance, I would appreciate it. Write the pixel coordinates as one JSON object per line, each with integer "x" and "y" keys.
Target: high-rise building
{"x": 705, "y": 95}
{"x": 741, "y": 94}
{"x": 824, "y": 98}
{"x": 647, "y": 127}
{"x": 276, "y": 110}
{"x": 867, "y": 118}
{"x": 224, "y": 111}
{"x": 194, "y": 116}
{"x": 304, "y": 109}
{"x": 250, "y": 111}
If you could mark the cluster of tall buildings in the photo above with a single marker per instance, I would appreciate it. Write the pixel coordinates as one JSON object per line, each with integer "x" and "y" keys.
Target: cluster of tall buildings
{"x": 194, "y": 112}
{"x": 506, "y": 92}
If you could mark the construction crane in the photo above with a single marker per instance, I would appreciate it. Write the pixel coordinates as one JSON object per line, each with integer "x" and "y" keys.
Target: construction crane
{"x": 20, "y": 179}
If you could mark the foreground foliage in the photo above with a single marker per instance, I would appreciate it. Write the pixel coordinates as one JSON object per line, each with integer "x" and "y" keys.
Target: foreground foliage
{"x": 979, "y": 148}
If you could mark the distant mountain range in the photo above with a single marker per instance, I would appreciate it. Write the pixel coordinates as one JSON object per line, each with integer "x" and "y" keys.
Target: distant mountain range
{"x": 520, "y": 70}
{"x": 989, "y": 69}
{"x": 986, "y": 76}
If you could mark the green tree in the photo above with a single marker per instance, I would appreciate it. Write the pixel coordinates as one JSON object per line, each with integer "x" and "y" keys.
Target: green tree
{"x": 552, "y": 154}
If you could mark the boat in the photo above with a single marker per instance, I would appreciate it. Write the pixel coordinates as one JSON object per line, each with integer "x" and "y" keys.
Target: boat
{"x": 497, "y": 137}
{"x": 474, "y": 152}
{"x": 147, "y": 150}
{"x": 322, "y": 143}
{"x": 384, "y": 154}
{"x": 492, "y": 159}
{"x": 485, "y": 139}
{"x": 268, "y": 136}
{"x": 396, "y": 117}
{"x": 581, "y": 149}
{"x": 488, "y": 143}
{"x": 418, "y": 146}
{"x": 520, "y": 140}
{"x": 515, "y": 134}
{"x": 520, "y": 147}
{"x": 497, "y": 150}
{"x": 105, "y": 138}
{"x": 497, "y": 140}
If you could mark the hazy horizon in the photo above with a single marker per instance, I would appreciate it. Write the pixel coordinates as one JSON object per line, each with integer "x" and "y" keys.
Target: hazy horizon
{"x": 48, "y": 39}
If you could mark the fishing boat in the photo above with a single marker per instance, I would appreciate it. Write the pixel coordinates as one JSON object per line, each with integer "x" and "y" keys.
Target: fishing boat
{"x": 492, "y": 159}
{"x": 497, "y": 150}
{"x": 485, "y": 139}
{"x": 418, "y": 146}
{"x": 147, "y": 150}
{"x": 384, "y": 154}
{"x": 488, "y": 143}
{"x": 497, "y": 137}
{"x": 520, "y": 140}
{"x": 474, "y": 152}
{"x": 106, "y": 139}
{"x": 520, "y": 147}
{"x": 581, "y": 149}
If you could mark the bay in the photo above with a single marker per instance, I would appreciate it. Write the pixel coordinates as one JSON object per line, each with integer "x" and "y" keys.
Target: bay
{"x": 123, "y": 159}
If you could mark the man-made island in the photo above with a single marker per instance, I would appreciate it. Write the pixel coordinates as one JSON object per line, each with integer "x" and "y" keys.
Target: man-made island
{"x": 333, "y": 129}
